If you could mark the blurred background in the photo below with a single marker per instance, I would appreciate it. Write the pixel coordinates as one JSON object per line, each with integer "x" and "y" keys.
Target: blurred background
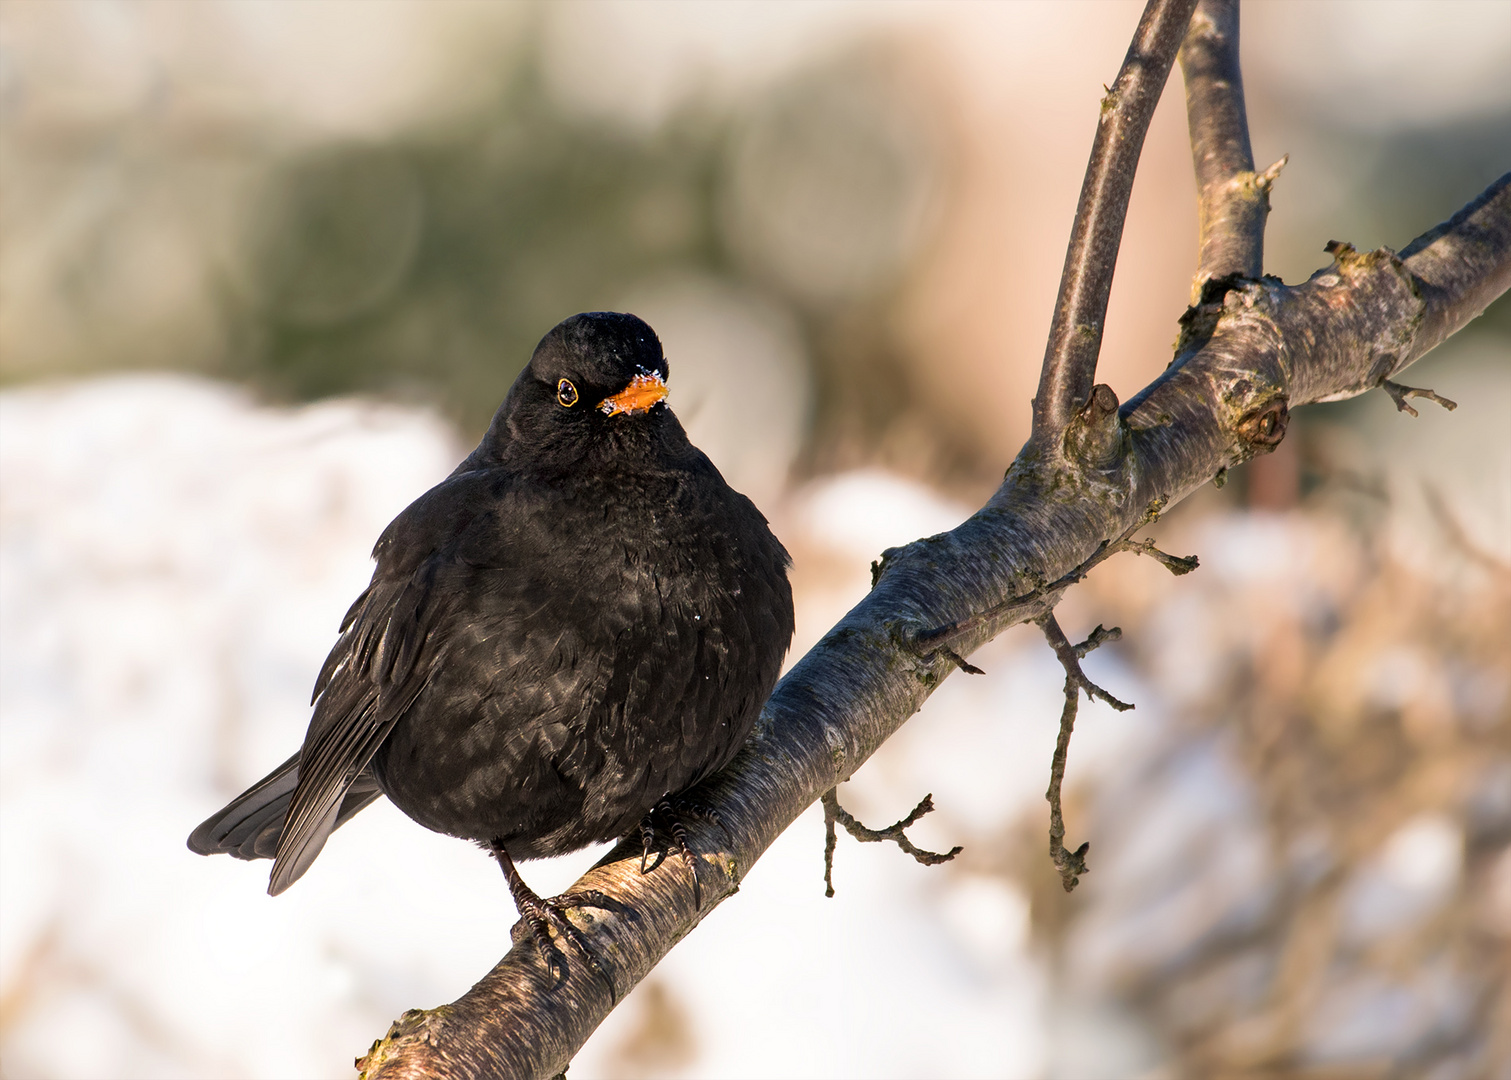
{"x": 266, "y": 269}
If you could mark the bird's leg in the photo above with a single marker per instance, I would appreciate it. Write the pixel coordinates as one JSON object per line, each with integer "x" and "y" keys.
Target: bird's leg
{"x": 542, "y": 913}
{"x": 672, "y": 812}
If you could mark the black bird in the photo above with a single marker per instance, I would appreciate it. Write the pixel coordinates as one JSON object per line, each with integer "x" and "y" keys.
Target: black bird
{"x": 578, "y": 624}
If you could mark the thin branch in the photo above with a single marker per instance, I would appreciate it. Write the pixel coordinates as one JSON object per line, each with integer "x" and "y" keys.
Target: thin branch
{"x": 1176, "y": 564}
{"x": 1399, "y": 393}
{"x": 1075, "y": 336}
{"x": 1070, "y": 657}
{"x": 959, "y": 661}
{"x": 1232, "y": 199}
{"x": 1071, "y": 864}
{"x": 1355, "y": 323}
{"x": 895, "y": 833}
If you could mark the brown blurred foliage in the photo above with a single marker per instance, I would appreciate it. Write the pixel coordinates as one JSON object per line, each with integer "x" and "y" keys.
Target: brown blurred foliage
{"x": 1309, "y": 873}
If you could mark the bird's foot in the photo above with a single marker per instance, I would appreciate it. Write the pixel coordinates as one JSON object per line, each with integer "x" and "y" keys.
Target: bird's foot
{"x": 542, "y": 914}
{"x": 672, "y": 811}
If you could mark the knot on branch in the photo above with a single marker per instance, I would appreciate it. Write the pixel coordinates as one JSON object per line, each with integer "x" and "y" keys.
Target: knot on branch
{"x": 895, "y": 833}
{"x": 1262, "y": 429}
{"x": 1350, "y": 261}
{"x": 1096, "y": 436}
{"x": 1350, "y": 265}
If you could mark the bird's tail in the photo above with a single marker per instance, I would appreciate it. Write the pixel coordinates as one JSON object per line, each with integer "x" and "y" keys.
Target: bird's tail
{"x": 250, "y": 825}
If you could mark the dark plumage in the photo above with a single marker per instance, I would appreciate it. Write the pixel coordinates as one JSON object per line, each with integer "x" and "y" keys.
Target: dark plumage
{"x": 580, "y": 621}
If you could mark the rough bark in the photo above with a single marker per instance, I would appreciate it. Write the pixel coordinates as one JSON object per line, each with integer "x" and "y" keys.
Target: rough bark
{"x": 1251, "y": 350}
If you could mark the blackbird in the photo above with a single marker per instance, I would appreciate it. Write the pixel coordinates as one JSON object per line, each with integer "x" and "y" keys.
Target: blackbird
{"x": 572, "y": 629}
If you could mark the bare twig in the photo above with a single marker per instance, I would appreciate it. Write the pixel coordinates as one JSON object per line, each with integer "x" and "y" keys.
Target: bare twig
{"x": 896, "y": 833}
{"x": 1071, "y": 864}
{"x": 1070, "y": 657}
{"x": 1176, "y": 564}
{"x": 1075, "y": 336}
{"x": 1232, "y": 199}
{"x": 1399, "y": 393}
{"x": 959, "y": 661}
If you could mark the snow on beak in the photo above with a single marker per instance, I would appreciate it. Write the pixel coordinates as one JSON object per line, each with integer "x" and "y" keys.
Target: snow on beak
{"x": 645, "y": 390}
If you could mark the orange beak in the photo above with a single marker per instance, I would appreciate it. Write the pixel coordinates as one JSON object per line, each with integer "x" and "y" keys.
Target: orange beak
{"x": 644, "y": 391}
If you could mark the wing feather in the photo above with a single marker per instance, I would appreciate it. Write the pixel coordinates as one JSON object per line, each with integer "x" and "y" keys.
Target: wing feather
{"x": 342, "y": 649}
{"x": 374, "y": 675}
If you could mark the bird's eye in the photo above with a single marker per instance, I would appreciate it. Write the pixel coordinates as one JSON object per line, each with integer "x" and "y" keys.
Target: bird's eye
{"x": 566, "y": 393}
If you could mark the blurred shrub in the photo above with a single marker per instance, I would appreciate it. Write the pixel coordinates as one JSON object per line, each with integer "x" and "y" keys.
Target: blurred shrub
{"x": 430, "y": 265}
{"x": 1305, "y": 873}
{"x": 172, "y": 233}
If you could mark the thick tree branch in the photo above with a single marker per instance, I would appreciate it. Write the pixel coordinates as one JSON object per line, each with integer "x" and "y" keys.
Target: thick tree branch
{"x": 1063, "y": 507}
{"x": 1459, "y": 267}
{"x": 1352, "y": 325}
{"x": 929, "y": 643}
{"x": 1232, "y": 199}
{"x": 1075, "y": 336}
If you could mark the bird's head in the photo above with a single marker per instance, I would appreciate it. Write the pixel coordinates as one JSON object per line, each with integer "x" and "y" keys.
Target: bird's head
{"x": 595, "y": 377}
{"x": 601, "y": 361}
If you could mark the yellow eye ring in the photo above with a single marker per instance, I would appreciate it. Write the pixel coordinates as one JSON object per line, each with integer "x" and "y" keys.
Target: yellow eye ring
{"x": 566, "y": 393}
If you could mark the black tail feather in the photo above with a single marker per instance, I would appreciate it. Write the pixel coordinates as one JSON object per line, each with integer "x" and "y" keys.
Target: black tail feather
{"x": 250, "y": 825}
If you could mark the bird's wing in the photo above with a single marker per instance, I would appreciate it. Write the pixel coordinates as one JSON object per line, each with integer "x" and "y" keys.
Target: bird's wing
{"x": 382, "y": 661}
{"x": 370, "y": 679}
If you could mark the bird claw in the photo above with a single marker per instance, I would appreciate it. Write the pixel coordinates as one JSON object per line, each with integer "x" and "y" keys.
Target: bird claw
{"x": 693, "y": 808}
{"x": 547, "y": 913}
{"x": 647, "y": 839}
{"x": 672, "y": 813}
{"x": 543, "y": 914}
